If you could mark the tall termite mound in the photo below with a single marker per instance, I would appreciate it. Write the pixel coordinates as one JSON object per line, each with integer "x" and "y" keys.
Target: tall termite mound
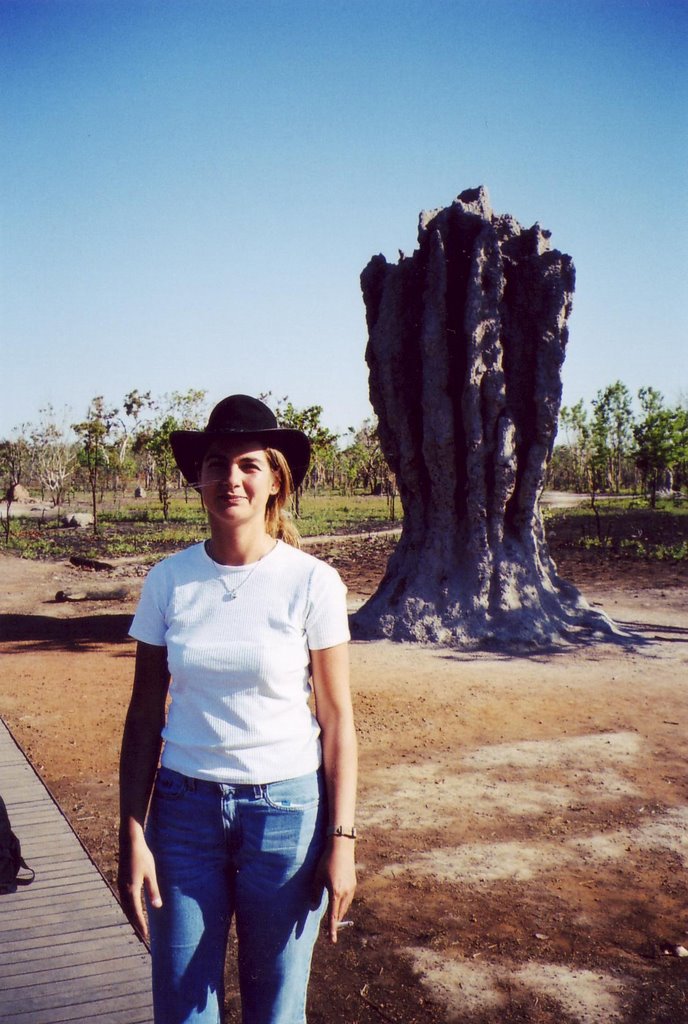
{"x": 466, "y": 343}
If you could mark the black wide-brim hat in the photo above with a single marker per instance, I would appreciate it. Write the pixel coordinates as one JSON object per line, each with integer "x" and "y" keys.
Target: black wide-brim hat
{"x": 242, "y": 418}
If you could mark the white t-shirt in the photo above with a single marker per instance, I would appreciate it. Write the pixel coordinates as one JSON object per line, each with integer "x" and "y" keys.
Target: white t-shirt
{"x": 241, "y": 667}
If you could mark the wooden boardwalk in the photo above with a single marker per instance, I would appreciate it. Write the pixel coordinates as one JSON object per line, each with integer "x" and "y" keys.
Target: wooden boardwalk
{"x": 67, "y": 953}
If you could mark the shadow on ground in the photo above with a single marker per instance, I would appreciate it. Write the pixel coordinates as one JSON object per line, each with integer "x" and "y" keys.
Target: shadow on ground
{"x": 69, "y": 634}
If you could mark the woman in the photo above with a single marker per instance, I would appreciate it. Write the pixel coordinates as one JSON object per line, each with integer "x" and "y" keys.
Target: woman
{"x": 253, "y": 803}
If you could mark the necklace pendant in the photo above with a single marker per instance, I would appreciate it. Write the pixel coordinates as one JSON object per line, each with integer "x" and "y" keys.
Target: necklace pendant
{"x": 230, "y": 595}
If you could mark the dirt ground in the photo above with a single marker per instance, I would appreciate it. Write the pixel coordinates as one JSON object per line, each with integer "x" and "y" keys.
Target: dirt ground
{"x": 523, "y": 819}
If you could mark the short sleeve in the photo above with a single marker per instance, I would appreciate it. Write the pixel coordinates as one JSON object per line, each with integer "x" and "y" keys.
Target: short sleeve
{"x": 150, "y": 623}
{"x": 327, "y": 622}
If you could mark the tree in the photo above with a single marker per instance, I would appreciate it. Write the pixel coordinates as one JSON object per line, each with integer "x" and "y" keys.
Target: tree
{"x": 134, "y": 405}
{"x": 53, "y": 455}
{"x": 574, "y": 420}
{"x": 614, "y": 412}
{"x": 124, "y": 431}
{"x": 93, "y": 432}
{"x": 561, "y": 469}
{"x": 189, "y": 408}
{"x": 365, "y": 463}
{"x": 590, "y": 448}
{"x": 598, "y": 460}
{"x": 367, "y": 466}
{"x": 654, "y": 441}
{"x": 14, "y": 456}
{"x": 309, "y": 421}
{"x": 156, "y": 442}
{"x": 680, "y": 458}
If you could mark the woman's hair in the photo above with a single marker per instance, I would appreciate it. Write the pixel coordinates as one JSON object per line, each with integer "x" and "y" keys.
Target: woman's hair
{"x": 278, "y": 521}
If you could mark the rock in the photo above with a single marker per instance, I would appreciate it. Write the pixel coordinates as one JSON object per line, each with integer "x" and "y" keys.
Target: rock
{"x": 113, "y": 593}
{"x": 18, "y": 493}
{"x": 78, "y": 519}
{"x": 674, "y": 949}
{"x": 90, "y": 563}
{"x": 70, "y": 595}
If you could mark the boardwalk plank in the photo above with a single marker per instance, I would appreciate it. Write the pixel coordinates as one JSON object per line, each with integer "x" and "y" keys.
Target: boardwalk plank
{"x": 43, "y": 842}
{"x": 56, "y": 942}
{"x": 132, "y": 1008}
{"x": 50, "y": 892}
{"x": 48, "y": 876}
{"x": 74, "y": 858}
{"x": 52, "y": 924}
{"x": 89, "y": 982}
{"x": 68, "y": 954}
{"x": 41, "y": 913}
{"x": 45, "y": 830}
{"x": 128, "y": 1015}
{"x": 30, "y": 813}
{"x": 113, "y": 970}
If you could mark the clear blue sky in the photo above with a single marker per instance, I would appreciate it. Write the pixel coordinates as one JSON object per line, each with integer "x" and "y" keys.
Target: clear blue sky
{"x": 190, "y": 190}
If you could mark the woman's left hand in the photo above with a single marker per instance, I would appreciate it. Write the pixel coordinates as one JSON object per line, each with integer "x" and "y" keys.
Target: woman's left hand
{"x": 336, "y": 872}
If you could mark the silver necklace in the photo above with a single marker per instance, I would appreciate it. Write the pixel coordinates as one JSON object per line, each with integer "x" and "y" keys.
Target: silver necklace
{"x": 231, "y": 592}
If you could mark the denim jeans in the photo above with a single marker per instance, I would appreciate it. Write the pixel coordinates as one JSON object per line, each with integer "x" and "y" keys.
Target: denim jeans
{"x": 223, "y": 850}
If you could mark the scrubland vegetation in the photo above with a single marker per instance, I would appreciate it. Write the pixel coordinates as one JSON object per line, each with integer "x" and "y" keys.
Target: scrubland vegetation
{"x": 117, "y": 465}
{"x": 615, "y": 448}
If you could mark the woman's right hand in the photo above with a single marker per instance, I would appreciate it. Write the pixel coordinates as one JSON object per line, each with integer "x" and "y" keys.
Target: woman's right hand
{"x": 136, "y": 871}
{"x": 139, "y": 757}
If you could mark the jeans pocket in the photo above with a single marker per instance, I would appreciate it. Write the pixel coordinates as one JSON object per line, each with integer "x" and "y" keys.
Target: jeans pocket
{"x": 301, "y": 794}
{"x": 169, "y": 785}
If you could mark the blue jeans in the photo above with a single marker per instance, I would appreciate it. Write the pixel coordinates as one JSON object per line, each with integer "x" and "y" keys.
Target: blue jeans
{"x": 223, "y": 850}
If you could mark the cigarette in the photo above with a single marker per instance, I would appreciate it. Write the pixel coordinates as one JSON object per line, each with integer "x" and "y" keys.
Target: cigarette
{"x": 345, "y": 924}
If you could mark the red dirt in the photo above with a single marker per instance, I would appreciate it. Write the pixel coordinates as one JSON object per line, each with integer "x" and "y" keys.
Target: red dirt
{"x": 524, "y": 819}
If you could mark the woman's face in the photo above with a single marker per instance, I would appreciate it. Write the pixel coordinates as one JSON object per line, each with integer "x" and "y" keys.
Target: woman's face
{"x": 237, "y": 481}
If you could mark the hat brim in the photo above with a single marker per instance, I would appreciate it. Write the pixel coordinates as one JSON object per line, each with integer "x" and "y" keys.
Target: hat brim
{"x": 189, "y": 447}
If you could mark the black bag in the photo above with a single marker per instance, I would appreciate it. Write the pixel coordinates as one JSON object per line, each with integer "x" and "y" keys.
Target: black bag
{"x": 11, "y": 860}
